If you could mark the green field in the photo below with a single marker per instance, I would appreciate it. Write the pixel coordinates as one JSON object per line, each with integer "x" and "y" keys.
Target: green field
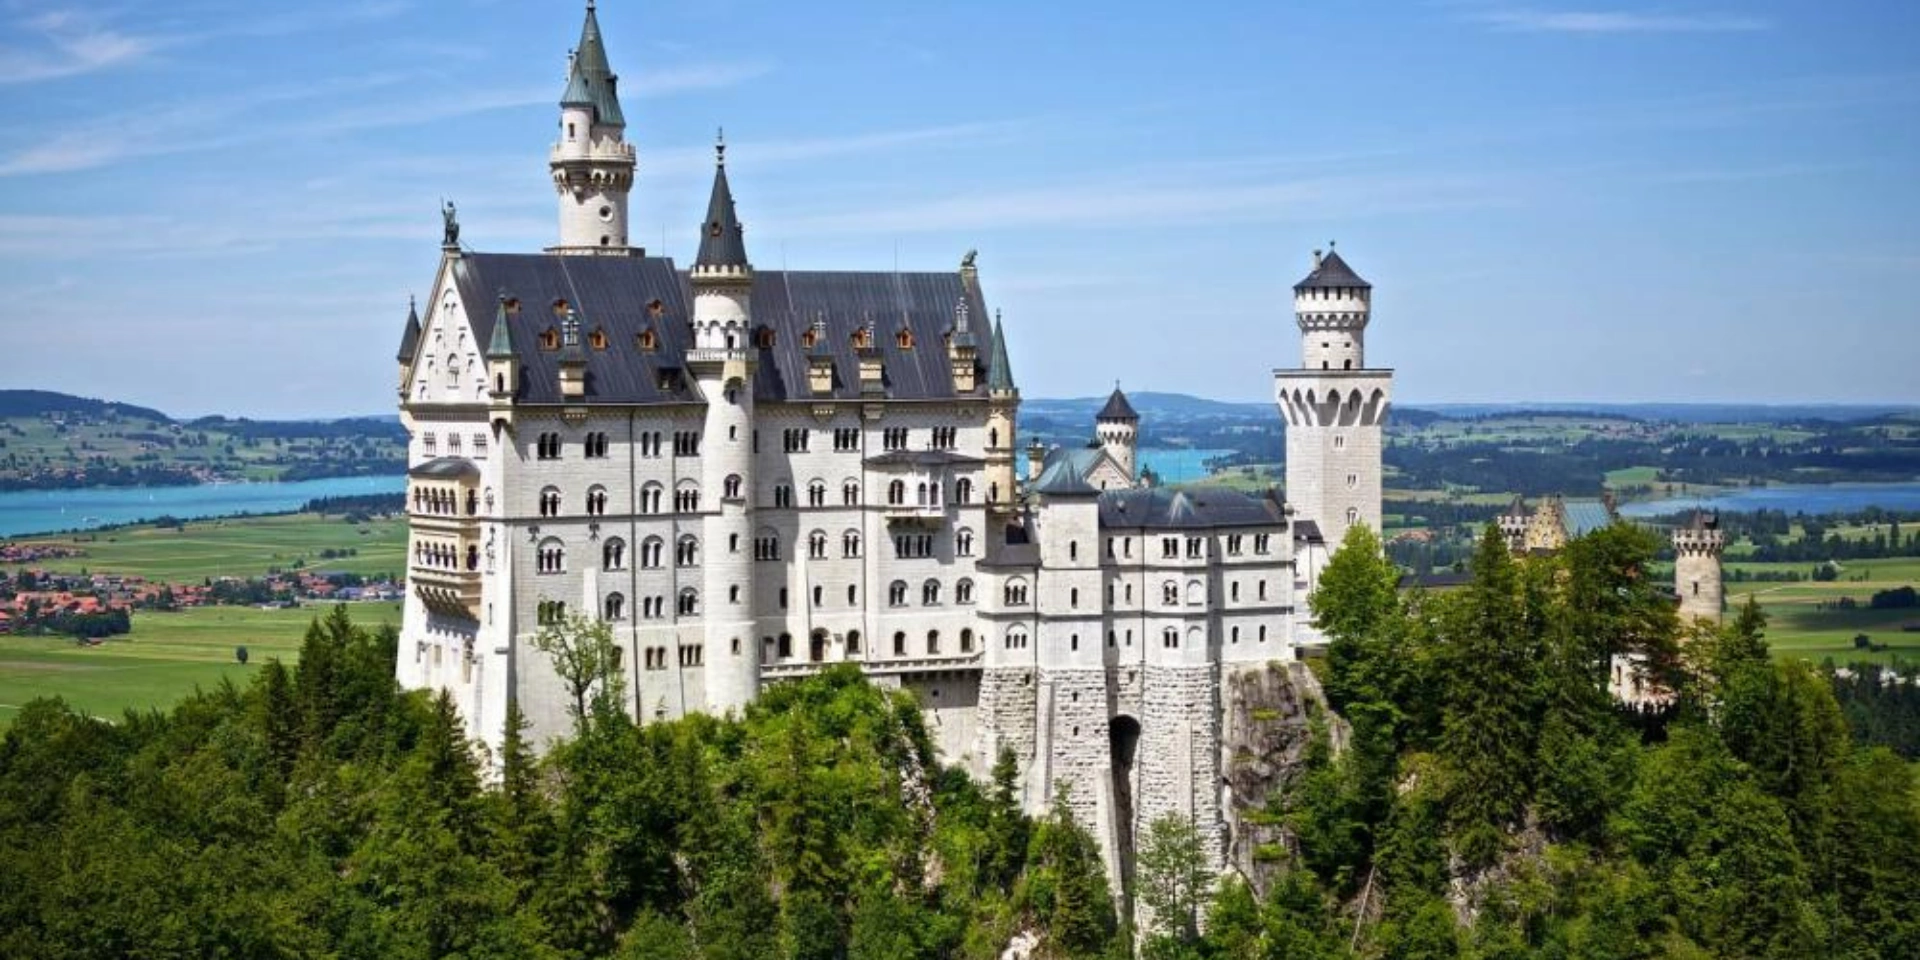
{"x": 238, "y": 547}
{"x": 165, "y": 657}
{"x": 1803, "y": 621}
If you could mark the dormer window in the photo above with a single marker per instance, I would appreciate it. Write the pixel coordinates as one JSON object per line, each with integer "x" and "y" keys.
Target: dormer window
{"x": 550, "y": 339}
{"x": 560, "y": 308}
{"x": 904, "y": 338}
{"x": 763, "y": 338}
{"x": 649, "y": 341}
{"x": 655, "y": 308}
{"x": 809, "y": 338}
{"x": 597, "y": 339}
{"x": 862, "y": 338}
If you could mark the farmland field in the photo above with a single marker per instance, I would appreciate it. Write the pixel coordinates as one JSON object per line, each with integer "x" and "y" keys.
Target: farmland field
{"x": 165, "y": 657}
{"x": 238, "y": 547}
{"x": 1804, "y": 619}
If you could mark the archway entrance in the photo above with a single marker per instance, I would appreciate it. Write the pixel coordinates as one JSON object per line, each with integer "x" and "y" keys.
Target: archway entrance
{"x": 1123, "y": 736}
{"x": 817, "y": 646}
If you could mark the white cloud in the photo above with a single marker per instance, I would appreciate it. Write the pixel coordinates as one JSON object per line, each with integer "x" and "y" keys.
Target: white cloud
{"x": 64, "y": 43}
{"x": 1535, "y": 20}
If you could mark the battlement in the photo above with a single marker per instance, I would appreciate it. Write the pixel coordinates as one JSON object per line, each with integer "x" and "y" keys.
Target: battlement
{"x": 1699, "y": 542}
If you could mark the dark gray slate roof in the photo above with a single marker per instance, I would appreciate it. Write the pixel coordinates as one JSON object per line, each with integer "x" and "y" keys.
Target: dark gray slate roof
{"x": 999, "y": 370}
{"x": 1308, "y": 531}
{"x": 1117, "y": 408}
{"x": 721, "y": 240}
{"x": 1188, "y": 508}
{"x": 410, "y": 337}
{"x": 1064, "y": 477}
{"x": 1332, "y": 272}
{"x": 445, "y": 468}
{"x": 614, "y": 294}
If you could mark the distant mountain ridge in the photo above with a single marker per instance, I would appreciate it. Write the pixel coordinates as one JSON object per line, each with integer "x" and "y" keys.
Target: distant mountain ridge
{"x": 38, "y": 403}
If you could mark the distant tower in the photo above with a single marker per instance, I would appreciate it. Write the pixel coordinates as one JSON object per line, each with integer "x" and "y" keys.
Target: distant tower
{"x": 592, "y": 163}
{"x": 1003, "y": 403}
{"x": 1118, "y": 428}
{"x": 722, "y": 361}
{"x": 1334, "y": 407}
{"x": 1696, "y": 567}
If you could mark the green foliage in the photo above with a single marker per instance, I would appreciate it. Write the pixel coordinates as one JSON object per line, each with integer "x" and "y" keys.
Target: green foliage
{"x": 587, "y": 660}
{"x": 1173, "y": 878}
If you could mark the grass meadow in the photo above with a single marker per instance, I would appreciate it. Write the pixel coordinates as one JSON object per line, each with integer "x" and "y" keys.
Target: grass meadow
{"x": 1803, "y": 619}
{"x": 165, "y": 657}
{"x": 238, "y": 547}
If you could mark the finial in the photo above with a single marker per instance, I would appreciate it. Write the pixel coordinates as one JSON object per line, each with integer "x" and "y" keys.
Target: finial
{"x": 589, "y": 6}
{"x": 1330, "y": 244}
{"x": 720, "y": 146}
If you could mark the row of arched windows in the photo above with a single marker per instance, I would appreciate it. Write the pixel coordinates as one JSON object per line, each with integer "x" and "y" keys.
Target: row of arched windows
{"x": 445, "y": 556}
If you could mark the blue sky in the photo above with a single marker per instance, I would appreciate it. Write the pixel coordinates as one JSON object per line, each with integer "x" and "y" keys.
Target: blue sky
{"x": 214, "y": 206}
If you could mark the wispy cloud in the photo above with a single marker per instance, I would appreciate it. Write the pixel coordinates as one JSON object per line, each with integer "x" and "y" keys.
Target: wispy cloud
{"x": 63, "y": 43}
{"x": 1536, "y": 20}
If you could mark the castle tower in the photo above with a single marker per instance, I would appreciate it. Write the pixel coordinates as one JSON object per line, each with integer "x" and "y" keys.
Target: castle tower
{"x": 1696, "y": 567}
{"x": 503, "y": 367}
{"x": 722, "y": 362}
{"x": 409, "y": 345}
{"x": 592, "y": 163}
{"x": 1118, "y": 428}
{"x": 1003, "y": 402}
{"x": 1334, "y": 407}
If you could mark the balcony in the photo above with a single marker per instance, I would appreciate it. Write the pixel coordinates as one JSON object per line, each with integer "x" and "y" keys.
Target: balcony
{"x": 454, "y": 593}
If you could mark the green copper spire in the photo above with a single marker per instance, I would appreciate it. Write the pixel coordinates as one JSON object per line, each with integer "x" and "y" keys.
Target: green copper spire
{"x": 500, "y": 345}
{"x": 410, "y": 337}
{"x": 590, "y": 79}
{"x": 999, "y": 370}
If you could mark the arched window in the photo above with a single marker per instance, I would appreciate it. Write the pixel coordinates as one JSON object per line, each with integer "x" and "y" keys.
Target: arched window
{"x": 1169, "y": 593}
{"x": 853, "y": 642}
{"x": 731, "y": 488}
{"x": 686, "y": 553}
{"x": 899, "y": 643}
{"x": 1353, "y": 515}
{"x": 686, "y": 497}
{"x": 596, "y": 501}
{"x": 689, "y": 602}
{"x": 897, "y": 493}
{"x": 963, "y": 491}
{"x": 963, "y": 591}
{"x": 613, "y": 554}
{"x": 963, "y": 543}
{"x": 817, "y": 493}
{"x": 850, "y": 493}
{"x": 1016, "y": 638}
{"x": 966, "y": 640}
{"x": 550, "y": 556}
{"x": 1016, "y": 592}
{"x": 930, "y": 593}
{"x": 850, "y": 544}
{"x": 933, "y": 643}
{"x": 897, "y": 593}
{"x": 650, "y": 497}
{"x": 766, "y": 544}
{"x": 817, "y": 545}
{"x": 615, "y": 607}
{"x": 651, "y": 550}
{"x": 550, "y": 502}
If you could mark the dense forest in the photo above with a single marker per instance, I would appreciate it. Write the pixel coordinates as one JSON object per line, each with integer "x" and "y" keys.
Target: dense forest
{"x": 1473, "y": 792}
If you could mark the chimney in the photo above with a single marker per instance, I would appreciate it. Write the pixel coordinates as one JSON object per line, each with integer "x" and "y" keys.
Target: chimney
{"x": 1316, "y": 259}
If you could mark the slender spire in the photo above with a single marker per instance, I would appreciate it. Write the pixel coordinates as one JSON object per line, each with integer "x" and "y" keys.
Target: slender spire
{"x": 590, "y": 78}
{"x": 999, "y": 370}
{"x": 722, "y": 243}
{"x": 500, "y": 345}
{"x": 1117, "y": 408}
{"x": 410, "y": 338}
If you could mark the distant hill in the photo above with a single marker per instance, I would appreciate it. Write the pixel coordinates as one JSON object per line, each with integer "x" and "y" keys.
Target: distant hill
{"x": 39, "y": 403}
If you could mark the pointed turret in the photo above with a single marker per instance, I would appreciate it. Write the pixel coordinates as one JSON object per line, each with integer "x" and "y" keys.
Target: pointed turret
{"x": 591, "y": 82}
{"x": 722, "y": 243}
{"x": 410, "y": 337}
{"x": 500, "y": 344}
{"x": 1118, "y": 428}
{"x": 999, "y": 370}
{"x": 1117, "y": 409}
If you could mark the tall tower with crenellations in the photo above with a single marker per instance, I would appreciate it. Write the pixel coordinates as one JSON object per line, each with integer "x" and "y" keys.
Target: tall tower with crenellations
{"x": 1335, "y": 407}
{"x": 1696, "y": 567}
{"x": 592, "y": 163}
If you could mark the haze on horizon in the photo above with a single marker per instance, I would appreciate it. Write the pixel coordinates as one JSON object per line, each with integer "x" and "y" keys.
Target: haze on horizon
{"x": 220, "y": 207}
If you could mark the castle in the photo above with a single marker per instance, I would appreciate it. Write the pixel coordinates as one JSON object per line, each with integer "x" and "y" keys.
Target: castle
{"x": 753, "y": 475}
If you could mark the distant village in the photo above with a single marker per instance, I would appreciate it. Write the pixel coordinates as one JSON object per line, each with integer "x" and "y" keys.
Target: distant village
{"x": 93, "y": 605}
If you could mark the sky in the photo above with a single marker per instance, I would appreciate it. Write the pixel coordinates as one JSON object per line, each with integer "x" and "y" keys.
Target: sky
{"x": 215, "y": 206}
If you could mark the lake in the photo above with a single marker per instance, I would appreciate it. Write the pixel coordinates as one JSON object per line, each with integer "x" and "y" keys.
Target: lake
{"x": 45, "y": 511}
{"x": 1810, "y": 499}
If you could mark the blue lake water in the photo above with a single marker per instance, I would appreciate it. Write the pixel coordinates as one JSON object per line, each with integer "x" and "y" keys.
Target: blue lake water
{"x": 44, "y": 511}
{"x": 1176, "y": 465}
{"x": 1793, "y": 498}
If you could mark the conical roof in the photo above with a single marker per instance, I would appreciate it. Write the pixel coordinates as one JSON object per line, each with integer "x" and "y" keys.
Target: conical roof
{"x": 1331, "y": 271}
{"x": 410, "y": 337}
{"x": 722, "y": 242}
{"x": 999, "y": 370}
{"x": 590, "y": 80}
{"x": 1117, "y": 408}
{"x": 500, "y": 345}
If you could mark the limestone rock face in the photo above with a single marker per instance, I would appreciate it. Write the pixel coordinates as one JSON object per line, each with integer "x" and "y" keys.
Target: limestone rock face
{"x": 1265, "y": 733}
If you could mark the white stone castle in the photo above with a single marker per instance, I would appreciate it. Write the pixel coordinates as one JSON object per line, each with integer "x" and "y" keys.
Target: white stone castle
{"x": 754, "y": 475}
